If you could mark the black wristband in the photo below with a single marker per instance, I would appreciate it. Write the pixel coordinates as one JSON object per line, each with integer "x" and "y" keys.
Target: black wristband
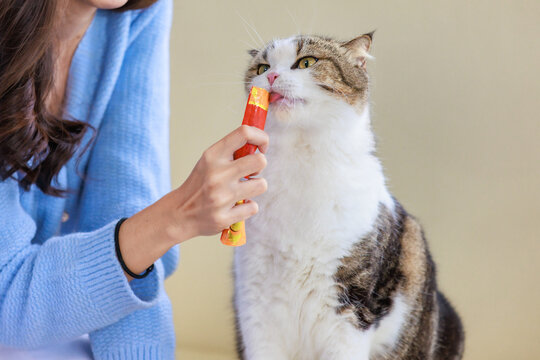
{"x": 119, "y": 254}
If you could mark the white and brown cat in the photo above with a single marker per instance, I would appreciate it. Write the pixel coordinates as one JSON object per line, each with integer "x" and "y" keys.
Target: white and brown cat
{"x": 334, "y": 267}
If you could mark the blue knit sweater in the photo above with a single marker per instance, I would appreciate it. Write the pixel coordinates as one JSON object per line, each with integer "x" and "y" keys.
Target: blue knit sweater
{"x": 59, "y": 275}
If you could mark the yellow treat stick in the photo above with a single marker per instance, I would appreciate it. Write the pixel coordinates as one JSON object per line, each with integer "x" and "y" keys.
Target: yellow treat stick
{"x": 235, "y": 235}
{"x": 255, "y": 115}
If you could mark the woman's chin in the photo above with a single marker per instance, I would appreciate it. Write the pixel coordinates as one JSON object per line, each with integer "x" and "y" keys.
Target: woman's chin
{"x": 106, "y": 4}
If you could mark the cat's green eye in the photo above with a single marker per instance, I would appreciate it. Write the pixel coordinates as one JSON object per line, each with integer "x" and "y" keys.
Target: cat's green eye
{"x": 262, "y": 68}
{"x": 306, "y": 62}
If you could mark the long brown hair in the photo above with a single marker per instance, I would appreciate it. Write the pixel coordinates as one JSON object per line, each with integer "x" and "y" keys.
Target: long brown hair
{"x": 34, "y": 141}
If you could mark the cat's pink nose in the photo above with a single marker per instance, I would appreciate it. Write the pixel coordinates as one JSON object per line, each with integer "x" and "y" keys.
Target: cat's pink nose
{"x": 272, "y": 77}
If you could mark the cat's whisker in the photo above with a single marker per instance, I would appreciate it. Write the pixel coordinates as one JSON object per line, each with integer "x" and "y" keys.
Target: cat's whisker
{"x": 252, "y": 38}
{"x": 258, "y": 35}
{"x": 293, "y": 20}
{"x": 314, "y": 14}
{"x": 220, "y": 77}
{"x": 252, "y": 28}
{"x": 228, "y": 73}
{"x": 222, "y": 83}
{"x": 249, "y": 45}
{"x": 245, "y": 26}
{"x": 223, "y": 77}
{"x": 217, "y": 77}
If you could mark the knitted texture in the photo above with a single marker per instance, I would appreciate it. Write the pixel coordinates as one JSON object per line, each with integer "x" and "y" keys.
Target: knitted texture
{"x": 59, "y": 276}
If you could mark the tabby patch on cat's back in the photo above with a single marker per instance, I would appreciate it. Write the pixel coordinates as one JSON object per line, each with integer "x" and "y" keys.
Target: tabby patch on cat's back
{"x": 335, "y": 267}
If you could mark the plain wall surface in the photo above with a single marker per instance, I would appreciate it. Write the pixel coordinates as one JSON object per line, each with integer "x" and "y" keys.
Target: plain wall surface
{"x": 455, "y": 107}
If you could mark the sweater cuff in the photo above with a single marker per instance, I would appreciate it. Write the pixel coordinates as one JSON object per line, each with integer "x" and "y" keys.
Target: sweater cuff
{"x": 140, "y": 352}
{"x": 103, "y": 279}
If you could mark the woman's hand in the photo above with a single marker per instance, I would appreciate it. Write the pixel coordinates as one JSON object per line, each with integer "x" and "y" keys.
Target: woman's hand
{"x": 206, "y": 201}
{"x": 203, "y": 205}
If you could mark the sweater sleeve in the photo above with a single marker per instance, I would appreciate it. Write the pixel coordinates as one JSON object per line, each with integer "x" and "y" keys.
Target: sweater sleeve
{"x": 68, "y": 286}
{"x": 128, "y": 169}
{"x": 73, "y": 284}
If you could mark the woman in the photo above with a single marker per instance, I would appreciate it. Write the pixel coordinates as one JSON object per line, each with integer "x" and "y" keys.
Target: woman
{"x": 83, "y": 145}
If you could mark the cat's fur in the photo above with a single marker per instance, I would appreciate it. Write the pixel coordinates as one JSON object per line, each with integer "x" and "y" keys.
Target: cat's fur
{"x": 334, "y": 267}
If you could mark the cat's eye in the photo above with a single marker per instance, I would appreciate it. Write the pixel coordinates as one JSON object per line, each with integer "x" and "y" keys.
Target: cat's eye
{"x": 306, "y": 62}
{"x": 262, "y": 68}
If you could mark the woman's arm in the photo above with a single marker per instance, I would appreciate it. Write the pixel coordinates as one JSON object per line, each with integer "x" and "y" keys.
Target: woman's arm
{"x": 73, "y": 284}
{"x": 203, "y": 205}
{"x": 64, "y": 288}
{"x": 128, "y": 171}
{"x": 128, "y": 175}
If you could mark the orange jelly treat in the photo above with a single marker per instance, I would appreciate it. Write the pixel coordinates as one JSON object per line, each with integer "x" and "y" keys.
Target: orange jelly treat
{"x": 255, "y": 115}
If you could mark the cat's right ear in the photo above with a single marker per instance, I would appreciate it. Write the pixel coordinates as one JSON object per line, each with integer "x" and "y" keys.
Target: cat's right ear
{"x": 358, "y": 48}
{"x": 253, "y": 52}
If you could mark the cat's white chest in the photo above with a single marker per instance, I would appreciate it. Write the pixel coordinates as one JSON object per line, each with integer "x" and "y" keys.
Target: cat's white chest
{"x": 318, "y": 204}
{"x": 286, "y": 296}
{"x": 285, "y": 286}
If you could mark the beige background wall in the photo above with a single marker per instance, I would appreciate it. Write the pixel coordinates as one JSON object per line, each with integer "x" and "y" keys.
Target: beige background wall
{"x": 456, "y": 110}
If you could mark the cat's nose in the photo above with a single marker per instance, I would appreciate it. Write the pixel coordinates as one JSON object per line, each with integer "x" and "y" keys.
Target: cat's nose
{"x": 272, "y": 77}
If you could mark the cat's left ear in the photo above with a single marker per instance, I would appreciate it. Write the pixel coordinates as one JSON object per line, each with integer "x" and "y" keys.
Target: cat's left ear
{"x": 358, "y": 48}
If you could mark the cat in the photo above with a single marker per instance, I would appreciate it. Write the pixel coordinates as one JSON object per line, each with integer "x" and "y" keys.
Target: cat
{"x": 334, "y": 267}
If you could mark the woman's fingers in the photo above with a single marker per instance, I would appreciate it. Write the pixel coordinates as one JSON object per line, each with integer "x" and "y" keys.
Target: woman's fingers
{"x": 243, "y": 211}
{"x": 208, "y": 196}
{"x": 249, "y": 165}
{"x": 251, "y": 188}
{"x": 241, "y": 136}
{"x": 247, "y": 189}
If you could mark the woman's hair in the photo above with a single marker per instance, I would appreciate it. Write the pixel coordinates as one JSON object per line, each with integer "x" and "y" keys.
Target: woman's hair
{"x": 34, "y": 141}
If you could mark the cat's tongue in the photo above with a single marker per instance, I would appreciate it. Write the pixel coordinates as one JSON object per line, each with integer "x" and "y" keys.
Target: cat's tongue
{"x": 274, "y": 96}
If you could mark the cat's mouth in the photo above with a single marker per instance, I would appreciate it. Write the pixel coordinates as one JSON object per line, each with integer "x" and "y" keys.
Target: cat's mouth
{"x": 278, "y": 99}
{"x": 275, "y": 96}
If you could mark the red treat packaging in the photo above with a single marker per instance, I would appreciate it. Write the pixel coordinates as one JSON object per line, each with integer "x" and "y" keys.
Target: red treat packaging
{"x": 255, "y": 115}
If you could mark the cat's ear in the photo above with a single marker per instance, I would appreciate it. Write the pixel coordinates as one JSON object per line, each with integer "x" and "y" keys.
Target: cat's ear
{"x": 253, "y": 52}
{"x": 358, "y": 48}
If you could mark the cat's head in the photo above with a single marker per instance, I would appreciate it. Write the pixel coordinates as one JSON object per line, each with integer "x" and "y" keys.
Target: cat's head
{"x": 306, "y": 74}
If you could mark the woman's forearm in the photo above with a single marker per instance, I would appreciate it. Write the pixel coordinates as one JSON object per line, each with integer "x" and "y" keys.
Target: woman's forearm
{"x": 203, "y": 205}
{"x": 149, "y": 234}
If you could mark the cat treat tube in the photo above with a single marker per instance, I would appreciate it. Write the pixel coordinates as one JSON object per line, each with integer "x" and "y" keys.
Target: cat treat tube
{"x": 255, "y": 115}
